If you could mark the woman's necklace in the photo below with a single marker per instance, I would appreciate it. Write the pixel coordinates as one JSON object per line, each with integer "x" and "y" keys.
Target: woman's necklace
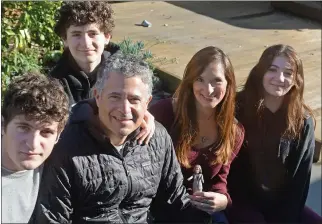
{"x": 204, "y": 139}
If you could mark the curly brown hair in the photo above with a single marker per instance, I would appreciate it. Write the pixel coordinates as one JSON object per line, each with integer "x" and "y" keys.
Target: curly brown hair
{"x": 80, "y": 13}
{"x": 37, "y": 97}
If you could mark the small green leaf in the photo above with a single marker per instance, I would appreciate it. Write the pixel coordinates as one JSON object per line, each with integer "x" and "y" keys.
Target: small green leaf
{"x": 27, "y": 35}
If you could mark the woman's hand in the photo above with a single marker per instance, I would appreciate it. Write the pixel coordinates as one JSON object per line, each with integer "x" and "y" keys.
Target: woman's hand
{"x": 148, "y": 128}
{"x": 209, "y": 202}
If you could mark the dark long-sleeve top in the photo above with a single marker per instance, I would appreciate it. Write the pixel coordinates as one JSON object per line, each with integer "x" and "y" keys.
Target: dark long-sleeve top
{"x": 272, "y": 171}
{"x": 215, "y": 176}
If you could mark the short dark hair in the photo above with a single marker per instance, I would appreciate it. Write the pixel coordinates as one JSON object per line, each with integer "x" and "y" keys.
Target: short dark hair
{"x": 37, "y": 97}
{"x": 80, "y": 13}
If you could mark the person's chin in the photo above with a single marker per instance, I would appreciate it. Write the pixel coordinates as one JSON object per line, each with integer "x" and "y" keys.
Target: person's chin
{"x": 89, "y": 59}
{"x": 276, "y": 93}
{"x": 208, "y": 104}
{"x": 125, "y": 131}
{"x": 31, "y": 165}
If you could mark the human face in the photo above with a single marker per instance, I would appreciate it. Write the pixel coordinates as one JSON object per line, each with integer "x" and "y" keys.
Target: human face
{"x": 278, "y": 80}
{"x": 27, "y": 144}
{"x": 210, "y": 87}
{"x": 86, "y": 43}
{"x": 122, "y": 104}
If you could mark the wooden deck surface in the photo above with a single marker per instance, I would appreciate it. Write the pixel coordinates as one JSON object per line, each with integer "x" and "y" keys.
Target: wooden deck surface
{"x": 241, "y": 29}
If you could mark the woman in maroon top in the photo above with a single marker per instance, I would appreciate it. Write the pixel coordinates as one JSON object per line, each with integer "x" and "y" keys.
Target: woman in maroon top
{"x": 270, "y": 179}
{"x": 200, "y": 120}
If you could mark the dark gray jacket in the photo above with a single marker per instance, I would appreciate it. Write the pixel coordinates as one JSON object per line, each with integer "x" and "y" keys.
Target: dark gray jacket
{"x": 87, "y": 180}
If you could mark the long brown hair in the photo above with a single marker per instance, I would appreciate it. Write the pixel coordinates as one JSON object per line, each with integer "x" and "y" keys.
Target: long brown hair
{"x": 295, "y": 110}
{"x": 185, "y": 109}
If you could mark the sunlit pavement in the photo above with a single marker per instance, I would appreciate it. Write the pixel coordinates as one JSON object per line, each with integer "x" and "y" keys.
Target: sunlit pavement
{"x": 315, "y": 193}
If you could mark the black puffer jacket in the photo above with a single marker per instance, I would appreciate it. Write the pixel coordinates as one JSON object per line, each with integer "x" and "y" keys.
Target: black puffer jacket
{"x": 77, "y": 83}
{"x": 86, "y": 179}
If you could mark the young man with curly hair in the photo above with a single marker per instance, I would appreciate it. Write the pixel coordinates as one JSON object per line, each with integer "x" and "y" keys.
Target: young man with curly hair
{"x": 34, "y": 112}
{"x": 86, "y": 29}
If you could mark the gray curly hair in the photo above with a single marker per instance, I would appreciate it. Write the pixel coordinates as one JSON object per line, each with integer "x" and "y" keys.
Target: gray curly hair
{"x": 126, "y": 65}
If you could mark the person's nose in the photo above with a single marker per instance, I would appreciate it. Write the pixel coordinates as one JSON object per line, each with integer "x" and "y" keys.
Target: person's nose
{"x": 33, "y": 141}
{"x": 126, "y": 107}
{"x": 281, "y": 76}
{"x": 86, "y": 41}
{"x": 209, "y": 89}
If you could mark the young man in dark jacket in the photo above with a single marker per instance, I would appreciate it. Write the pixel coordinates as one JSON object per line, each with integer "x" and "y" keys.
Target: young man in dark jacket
{"x": 98, "y": 172}
{"x": 34, "y": 112}
{"x": 86, "y": 28}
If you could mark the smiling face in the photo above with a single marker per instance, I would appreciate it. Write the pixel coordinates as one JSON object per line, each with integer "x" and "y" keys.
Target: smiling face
{"x": 210, "y": 87}
{"x": 278, "y": 80}
{"x": 86, "y": 43}
{"x": 122, "y": 104}
{"x": 27, "y": 144}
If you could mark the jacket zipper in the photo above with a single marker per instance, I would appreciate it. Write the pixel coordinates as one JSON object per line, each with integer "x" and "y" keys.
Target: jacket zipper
{"x": 129, "y": 179}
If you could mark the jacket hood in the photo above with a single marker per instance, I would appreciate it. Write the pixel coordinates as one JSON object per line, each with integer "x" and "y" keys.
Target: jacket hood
{"x": 83, "y": 111}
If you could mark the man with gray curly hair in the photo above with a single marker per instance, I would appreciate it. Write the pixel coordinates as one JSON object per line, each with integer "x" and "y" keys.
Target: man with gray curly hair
{"x": 99, "y": 172}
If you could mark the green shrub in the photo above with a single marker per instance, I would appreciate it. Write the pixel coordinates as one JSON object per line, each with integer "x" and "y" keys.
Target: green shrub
{"x": 27, "y": 38}
{"x": 127, "y": 46}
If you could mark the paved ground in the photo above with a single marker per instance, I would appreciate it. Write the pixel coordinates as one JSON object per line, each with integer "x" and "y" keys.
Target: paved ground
{"x": 314, "y": 197}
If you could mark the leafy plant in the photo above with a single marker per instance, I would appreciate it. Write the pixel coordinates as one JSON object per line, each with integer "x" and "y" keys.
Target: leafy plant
{"x": 15, "y": 63}
{"x": 127, "y": 46}
{"x": 28, "y": 39}
{"x": 28, "y": 23}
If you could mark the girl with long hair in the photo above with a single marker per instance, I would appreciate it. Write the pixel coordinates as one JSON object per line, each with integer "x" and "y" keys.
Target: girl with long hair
{"x": 200, "y": 119}
{"x": 269, "y": 181}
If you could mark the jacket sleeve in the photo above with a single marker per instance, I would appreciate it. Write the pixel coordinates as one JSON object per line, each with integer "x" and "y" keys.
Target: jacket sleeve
{"x": 294, "y": 201}
{"x": 172, "y": 203}
{"x": 55, "y": 194}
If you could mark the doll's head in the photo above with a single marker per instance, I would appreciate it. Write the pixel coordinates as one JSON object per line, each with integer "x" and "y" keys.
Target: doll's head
{"x": 197, "y": 169}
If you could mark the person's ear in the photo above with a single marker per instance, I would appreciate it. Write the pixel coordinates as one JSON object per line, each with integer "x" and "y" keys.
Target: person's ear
{"x": 96, "y": 95}
{"x": 148, "y": 101}
{"x": 65, "y": 42}
{"x": 107, "y": 38}
{"x": 57, "y": 139}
